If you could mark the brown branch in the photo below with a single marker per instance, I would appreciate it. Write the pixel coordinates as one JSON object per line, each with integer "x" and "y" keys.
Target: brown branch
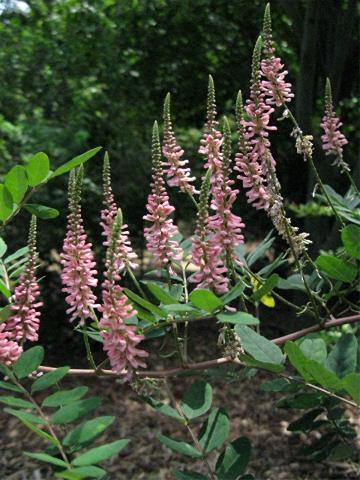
{"x": 210, "y": 363}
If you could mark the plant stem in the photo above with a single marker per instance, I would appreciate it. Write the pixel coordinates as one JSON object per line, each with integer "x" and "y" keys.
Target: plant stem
{"x": 89, "y": 355}
{"x": 136, "y": 283}
{"x": 189, "y": 429}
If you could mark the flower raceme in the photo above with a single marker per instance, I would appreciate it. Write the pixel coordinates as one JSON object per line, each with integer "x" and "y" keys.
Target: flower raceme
{"x": 120, "y": 339}
{"x": 177, "y": 171}
{"x": 333, "y": 139}
{"x": 79, "y": 273}
{"x": 24, "y": 322}
{"x": 126, "y": 257}
{"x": 161, "y": 232}
{"x": 10, "y": 350}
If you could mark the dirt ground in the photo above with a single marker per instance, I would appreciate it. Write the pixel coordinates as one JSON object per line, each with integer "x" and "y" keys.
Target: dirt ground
{"x": 274, "y": 455}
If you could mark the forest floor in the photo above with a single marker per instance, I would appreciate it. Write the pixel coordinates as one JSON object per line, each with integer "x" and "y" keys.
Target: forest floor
{"x": 252, "y": 414}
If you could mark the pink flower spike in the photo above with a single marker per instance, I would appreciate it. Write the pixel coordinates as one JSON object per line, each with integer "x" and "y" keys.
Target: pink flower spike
{"x": 10, "y": 351}
{"x": 161, "y": 232}
{"x": 127, "y": 257}
{"x": 24, "y": 322}
{"x": 120, "y": 339}
{"x": 274, "y": 87}
{"x": 79, "y": 273}
{"x": 332, "y": 140}
{"x": 177, "y": 171}
{"x": 206, "y": 252}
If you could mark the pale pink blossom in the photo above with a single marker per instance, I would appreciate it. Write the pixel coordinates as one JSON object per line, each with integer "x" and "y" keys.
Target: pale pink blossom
{"x": 177, "y": 171}
{"x": 79, "y": 274}
{"x": 10, "y": 351}
{"x": 127, "y": 257}
{"x": 23, "y": 323}
{"x": 333, "y": 139}
{"x": 120, "y": 340}
{"x": 160, "y": 234}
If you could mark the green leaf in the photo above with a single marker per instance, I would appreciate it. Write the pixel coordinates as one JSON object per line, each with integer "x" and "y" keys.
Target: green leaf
{"x": 314, "y": 347}
{"x": 266, "y": 287}
{"x": 16, "y": 182}
{"x": 5, "y": 313}
{"x": 75, "y": 410}
{"x": 49, "y": 379}
{"x": 341, "y": 452}
{"x": 99, "y": 454}
{"x": 82, "y": 472}
{"x": 259, "y": 347}
{"x": 75, "y": 162}
{"x": 35, "y": 429}
{"x": 205, "y": 300}
{"x": 306, "y": 422}
{"x": 6, "y": 203}
{"x": 336, "y": 268}
{"x": 3, "y": 247}
{"x": 311, "y": 370}
{"x": 279, "y": 385}
{"x": 29, "y": 361}
{"x": 234, "y": 293}
{"x": 180, "y": 308}
{"x": 44, "y": 457}
{"x": 187, "y": 475}
{"x": 343, "y": 357}
{"x": 37, "y": 169}
{"x": 179, "y": 447}
{"x": 197, "y": 400}
{"x": 6, "y": 292}
{"x": 350, "y": 237}
{"x": 10, "y": 386}
{"x": 252, "y": 362}
{"x": 214, "y": 431}
{"x": 301, "y": 401}
{"x": 234, "y": 459}
{"x": 87, "y": 431}
{"x": 15, "y": 402}
{"x": 160, "y": 293}
{"x": 64, "y": 397}
{"x": 351, "y": 383}
{"x": 42, "y": 211}
{"x": 162, "y": 408}
{"x": 14, "y": 256}
{"x": 144, "y": 303}
{"x": 240, "y": 318}
{"x": 22, "y": 415}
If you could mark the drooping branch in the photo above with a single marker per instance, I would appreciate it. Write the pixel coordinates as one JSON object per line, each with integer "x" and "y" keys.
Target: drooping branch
{"x": 209, "y": 363}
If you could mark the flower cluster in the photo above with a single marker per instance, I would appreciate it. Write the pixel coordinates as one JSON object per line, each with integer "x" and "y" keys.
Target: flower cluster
{"x": 333, "y": 139}
{"x": 79, "y": 274}
{"x": 177, "y": 171}
{"x": 120, "y": 339}
{"x": 127, "y": 256}
{"x": 160, "y": 235}
{"x": 205, "y": 251}
{"x": 23, "y": 324}
{"x": 276, "y": 90}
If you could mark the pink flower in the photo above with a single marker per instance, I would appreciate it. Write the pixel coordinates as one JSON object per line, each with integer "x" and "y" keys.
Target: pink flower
{"x": 248, "y": 163}
{"x": 10, "y": 351}
{"x": 127, "y": 257}
{"x": 226, "y": 226}
{"x": 78, "y": 275}
{"x": 332, "y": 140}
{"x": 120, "y": 340}
{"x": 274, "y": 87}
{"x": 177, "y": 171}
{"x": 159, "y": 235}
{"x": 24, "y": 322}
{"x": 205, "y": 251}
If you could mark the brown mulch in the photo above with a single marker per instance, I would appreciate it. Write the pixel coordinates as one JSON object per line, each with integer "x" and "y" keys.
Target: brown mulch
{"x": 252, "y": 413}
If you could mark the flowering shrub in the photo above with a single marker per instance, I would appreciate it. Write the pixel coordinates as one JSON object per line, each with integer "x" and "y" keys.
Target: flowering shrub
{"x": 209, "y": 277}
